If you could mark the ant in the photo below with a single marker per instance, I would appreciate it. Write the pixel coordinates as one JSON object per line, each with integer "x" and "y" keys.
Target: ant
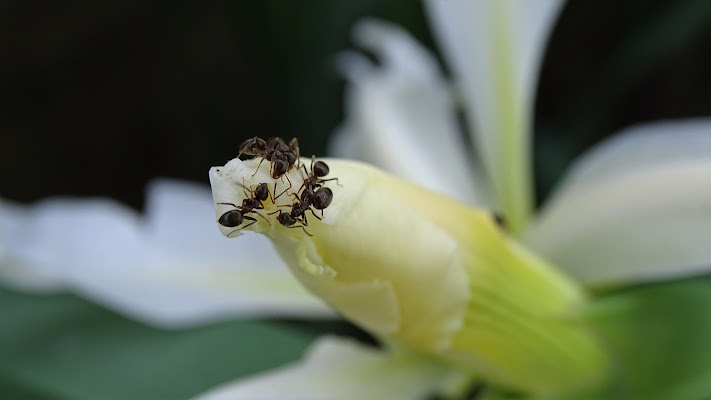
{"x": 313, "y": 183}
{"x": 298, "y": 210}
{"x": 251, "y": 202}
{"x": 288, "y": 220}
{"x": 314, "y": 179}
{"x": 282, "y": 157}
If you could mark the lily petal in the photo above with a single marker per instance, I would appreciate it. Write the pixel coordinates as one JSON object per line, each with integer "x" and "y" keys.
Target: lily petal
{"x": 636, "y": 208}
{"x": 402, "y": 111}
{"x": 336, "y": 368}
{"x": 175, "y": 270}
{"x": 494, "y": 48}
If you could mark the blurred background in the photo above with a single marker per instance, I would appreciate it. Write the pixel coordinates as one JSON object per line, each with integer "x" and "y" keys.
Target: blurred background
{"x": 98, "y": 98}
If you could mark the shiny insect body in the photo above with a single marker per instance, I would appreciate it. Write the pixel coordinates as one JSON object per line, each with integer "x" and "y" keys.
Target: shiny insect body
{"x": 281, "y": 156}
{"x": 253, "y": 201}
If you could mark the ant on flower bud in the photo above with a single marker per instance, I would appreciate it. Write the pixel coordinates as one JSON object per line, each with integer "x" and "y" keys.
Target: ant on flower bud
{"x": 282, "y": 157}
{"x": 253, "y": 201}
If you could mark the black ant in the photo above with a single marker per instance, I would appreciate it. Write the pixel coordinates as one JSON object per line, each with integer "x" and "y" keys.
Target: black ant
{"x": 288, "y": 220}
{"x": 282, "y": 157}
{"x": 251, "y": 202}
{"x": 314, "y": 179}
{"x": 298, "y": 210}
{"x": 322, "y": 196}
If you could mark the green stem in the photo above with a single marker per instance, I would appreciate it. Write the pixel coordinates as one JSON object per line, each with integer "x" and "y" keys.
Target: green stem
{"x": 512, "y": 158}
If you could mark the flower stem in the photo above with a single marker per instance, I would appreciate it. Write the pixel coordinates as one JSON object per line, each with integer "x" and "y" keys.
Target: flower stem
{"x": 512, "y": 152}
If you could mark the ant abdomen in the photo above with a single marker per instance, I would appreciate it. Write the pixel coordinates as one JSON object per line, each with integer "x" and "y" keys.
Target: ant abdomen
{"x": 286, "y": 219}
{"x": 262, "y": 192}
{"x": 231, "y": 218}
{"x": 322, "y": 198}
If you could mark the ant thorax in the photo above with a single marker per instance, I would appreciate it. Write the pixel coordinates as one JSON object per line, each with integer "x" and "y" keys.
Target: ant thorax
{"x": 298, "y": 203}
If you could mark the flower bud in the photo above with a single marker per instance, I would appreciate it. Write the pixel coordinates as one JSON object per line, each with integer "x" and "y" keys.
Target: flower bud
{"x": 417, "y": 267}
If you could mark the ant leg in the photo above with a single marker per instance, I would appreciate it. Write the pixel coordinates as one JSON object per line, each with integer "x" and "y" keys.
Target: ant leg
{"x": 288, "y": 180}
{"x": 265, "y": 218}
{"x": 229, "y": 204}
{"x": 285, "y": 190}
{"x": 244, "y": 189}
{"x": 302, "y": 227}
{"x": 331, "y": 179}
{"x": 239, "y": 229}
{"x": 254, "y": 221}
{"x": 317, "y": 217}
{"x": 244, "y": 146}
{"x": 294, "y": 146}
{"x": 258, "y": 165}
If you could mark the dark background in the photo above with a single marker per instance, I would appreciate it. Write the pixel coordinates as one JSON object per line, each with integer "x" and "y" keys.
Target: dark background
{"x": 97, "y": 98}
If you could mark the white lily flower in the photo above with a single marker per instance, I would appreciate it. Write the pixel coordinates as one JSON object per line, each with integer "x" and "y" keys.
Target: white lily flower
{"x": 644, "y": 192}
{"x": 494, "y": 48}
{"x": 636, "y": 208}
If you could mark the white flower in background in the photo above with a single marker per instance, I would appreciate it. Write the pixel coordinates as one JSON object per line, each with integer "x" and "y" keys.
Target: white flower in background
{"x": 169, "y": 267}
{"x": 634, "y": 208}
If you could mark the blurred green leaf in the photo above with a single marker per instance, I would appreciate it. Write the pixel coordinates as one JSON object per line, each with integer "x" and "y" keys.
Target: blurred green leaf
{"x": 62, "y": 347}
{"x": 660, "y": 340}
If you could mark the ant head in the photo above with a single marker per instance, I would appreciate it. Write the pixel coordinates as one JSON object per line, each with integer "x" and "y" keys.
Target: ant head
{"x": 286, "y": 219}
{"x": 320, "y": 169}
{"x": 279, "y": 168}
{"x": 231, "y": 218}
{"x": 290, "y": 157}
{"x": 262, "y": 191}
{"x": 323, "y": 198}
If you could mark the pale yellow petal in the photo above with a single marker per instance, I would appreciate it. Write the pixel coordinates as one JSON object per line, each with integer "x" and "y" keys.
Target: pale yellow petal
{"x": 423, "y": 270}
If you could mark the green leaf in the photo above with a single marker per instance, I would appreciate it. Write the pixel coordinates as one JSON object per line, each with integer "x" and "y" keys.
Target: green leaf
{"x": 61, "y": 347}
{"x": 660, "y": 340}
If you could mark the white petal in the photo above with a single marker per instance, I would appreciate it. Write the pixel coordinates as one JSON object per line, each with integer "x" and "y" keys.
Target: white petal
{"x": 33, "y": 240}
{"x": 340, "y": 369}
{"x": 636, "y": 208}
{"x": 402, "y": 111}
{"x": 494, "y": 48}
{"x": 174, "y": 269}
